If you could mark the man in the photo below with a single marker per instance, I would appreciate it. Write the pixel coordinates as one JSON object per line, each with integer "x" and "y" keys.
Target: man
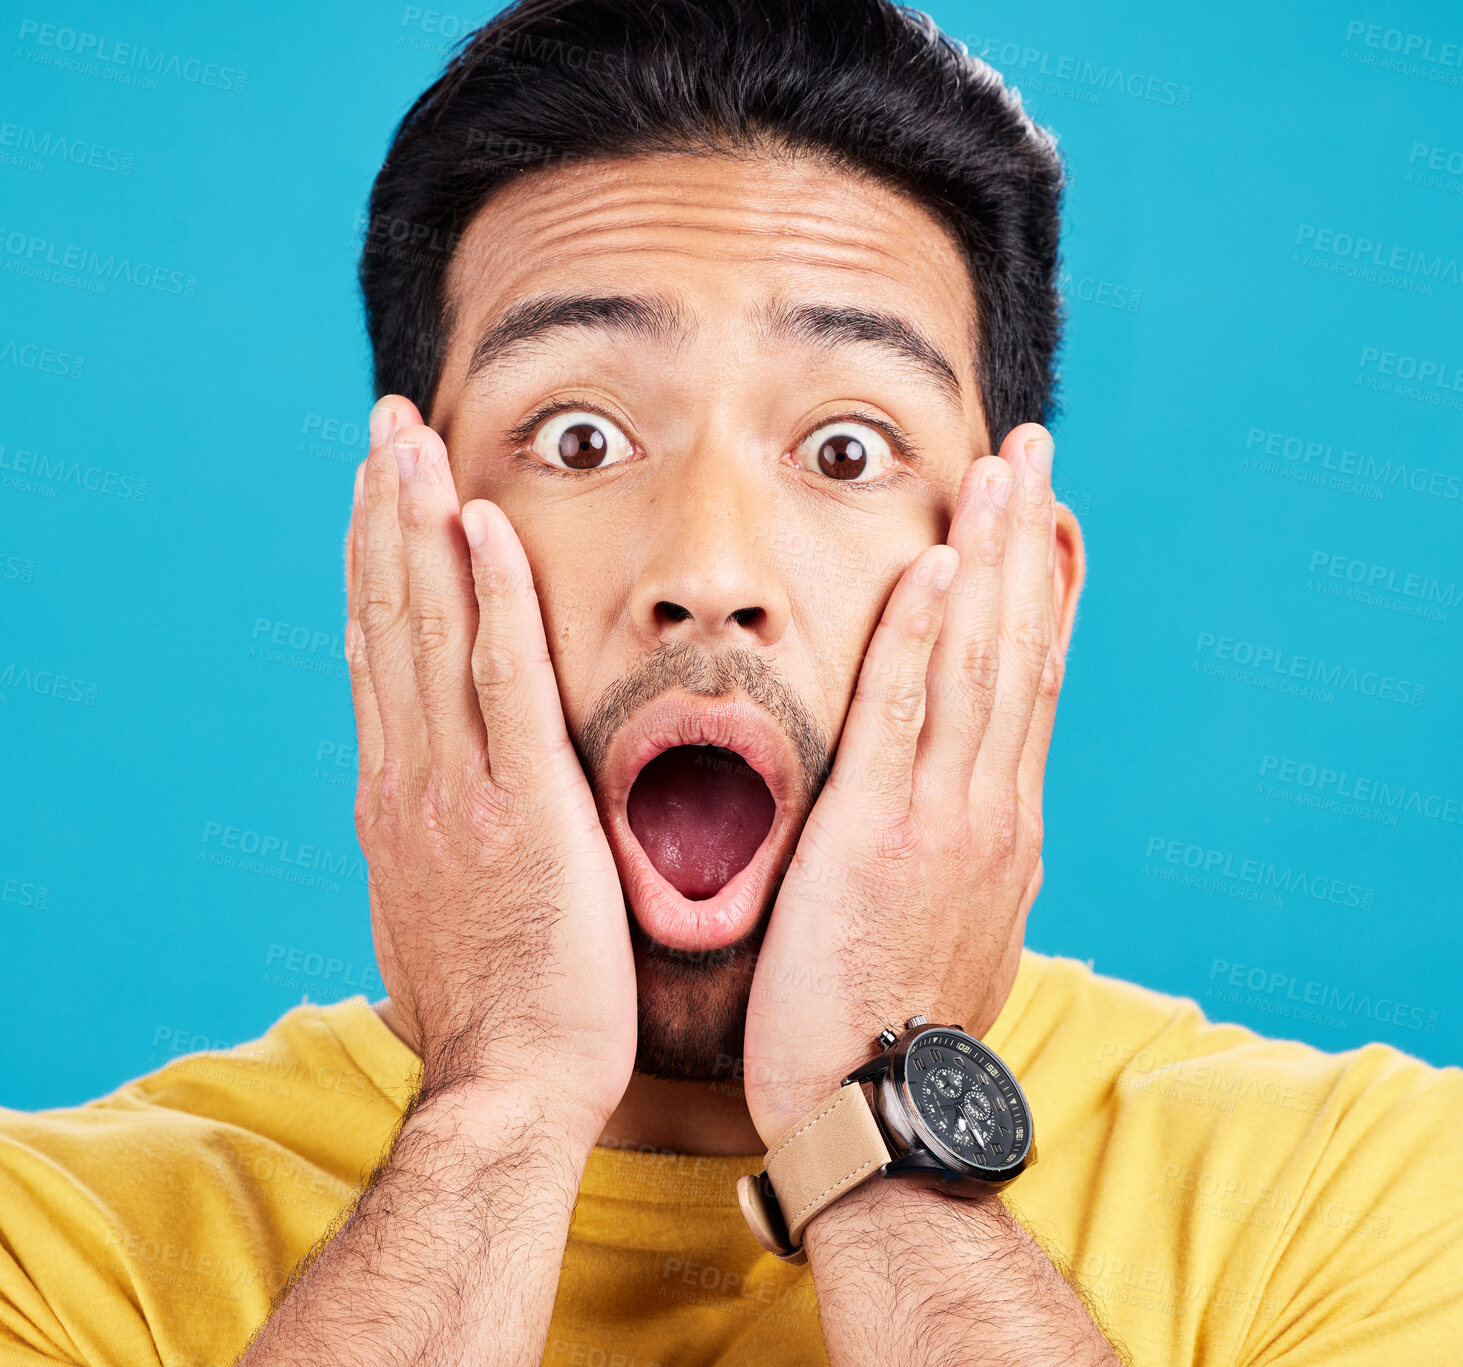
{"x": 708, "y": 604}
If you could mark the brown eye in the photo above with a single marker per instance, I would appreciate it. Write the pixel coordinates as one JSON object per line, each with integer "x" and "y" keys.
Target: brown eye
{"x": 580, "y": 441}
{"x": 849, "y": 451}
{"x": 842, "y": 457}
{"x": 582, "y": 446}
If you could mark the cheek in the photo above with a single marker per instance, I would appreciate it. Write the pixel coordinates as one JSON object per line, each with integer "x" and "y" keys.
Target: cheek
{"x": 838, "y": 598}
{"x": 837, "y": 609}
{"x": 583, "y": 596}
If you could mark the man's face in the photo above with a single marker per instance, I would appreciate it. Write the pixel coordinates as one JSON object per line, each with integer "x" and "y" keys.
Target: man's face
{"x": 746, "y": 405}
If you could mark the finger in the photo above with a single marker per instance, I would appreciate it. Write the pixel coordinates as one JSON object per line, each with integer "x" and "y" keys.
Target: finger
{"x": 388, "y": 413}
{"x": 517, "y": 691}
{"x": 963, "y": 668}
{"x": 392, "y": 411}
{"x": 363, "y": 697}
{"x": 383, "y": 610}
{"x": 442, "y": 607}
{"x": 1026, "y": 610}
{"x": 880, "y": 737}
{"x": 1032, "y": 774}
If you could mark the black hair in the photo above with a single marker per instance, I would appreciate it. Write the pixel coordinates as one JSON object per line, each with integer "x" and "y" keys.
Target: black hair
{"x": 864, "y": 84}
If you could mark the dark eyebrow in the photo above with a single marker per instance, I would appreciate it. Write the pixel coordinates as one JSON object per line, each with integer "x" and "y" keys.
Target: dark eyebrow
{"x": 830, "y": 325}
{"x": 644, "y": 316}
{"x": 659, "y": 319}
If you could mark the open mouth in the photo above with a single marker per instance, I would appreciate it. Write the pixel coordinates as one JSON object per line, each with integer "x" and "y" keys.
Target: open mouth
{"x": 698, "y": 802}
{"x": 700, "y": 812}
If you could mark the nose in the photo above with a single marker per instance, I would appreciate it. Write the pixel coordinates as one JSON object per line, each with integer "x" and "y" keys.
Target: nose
{"x": 707, "y": 575}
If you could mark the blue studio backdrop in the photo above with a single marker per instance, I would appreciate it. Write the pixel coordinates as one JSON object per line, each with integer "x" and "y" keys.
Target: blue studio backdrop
{"x": 1255, "y": 795}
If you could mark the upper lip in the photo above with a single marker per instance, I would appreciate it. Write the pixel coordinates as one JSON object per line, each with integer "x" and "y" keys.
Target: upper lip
{"x": 680, "y": 719}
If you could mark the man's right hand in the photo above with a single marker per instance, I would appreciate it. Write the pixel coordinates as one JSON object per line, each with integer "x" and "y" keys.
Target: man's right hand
{"x": 500, "y": 930}
{"x": 496, "y": 906}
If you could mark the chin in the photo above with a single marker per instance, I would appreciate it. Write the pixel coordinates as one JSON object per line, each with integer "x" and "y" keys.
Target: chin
{"x": 693, "y": 1008}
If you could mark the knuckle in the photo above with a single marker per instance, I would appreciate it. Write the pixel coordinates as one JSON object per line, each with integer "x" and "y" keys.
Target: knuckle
{"x": 432, "y": 805}
{"x": 979, "y": 668}
{"x": 945, "y": 826}
{"x": 380, "y": 481}
{"x": 495, "y": 812}
{"x": 1002, "y": 828}
{"x": 430, "y": 633}
{"x": 1035, "y": 827}
{"x": 500, "y": 584}
{"x": 1053, "y": 672}
{"x": 918, "y": 625}
{"x": 486, "y": 811}
{"x": 379, "y": 604}
{"x": 903, "y": 704}
{"x": 1030, "y": 635}
{"x": 367, "y": 812}
{"x": 415, "y": 516}
{"x": 394, "y": 793}
{"x": 496, "y": 665}
{"x": 1036, "y": 509}
{"x": 990, "y": 544}
{"x": 896, "y": 843}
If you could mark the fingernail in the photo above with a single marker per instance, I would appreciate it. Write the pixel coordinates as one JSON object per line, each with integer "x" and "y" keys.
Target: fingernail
{"x": 359, "y": 496}
{"x": 1039, "y": 451}
{"x": 406, "y": 458}
{"x": 474, "y": 525}
{"x": 998, "y": 489}
{"x": 382, "y": 423}
{"x": 945, "y": 567}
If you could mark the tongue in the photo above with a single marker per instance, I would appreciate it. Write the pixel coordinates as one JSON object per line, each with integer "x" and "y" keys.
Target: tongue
{"x": 699, "y": 813}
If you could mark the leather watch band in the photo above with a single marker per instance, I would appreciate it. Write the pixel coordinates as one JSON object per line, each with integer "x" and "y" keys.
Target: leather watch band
{"x": 828, "y": 1152}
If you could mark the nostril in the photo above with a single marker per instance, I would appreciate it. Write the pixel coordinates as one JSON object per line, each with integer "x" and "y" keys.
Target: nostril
{"x": 670, "y": 612}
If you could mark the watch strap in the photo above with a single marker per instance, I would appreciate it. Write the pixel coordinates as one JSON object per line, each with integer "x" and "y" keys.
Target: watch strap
{"x": 828, "y": 1152}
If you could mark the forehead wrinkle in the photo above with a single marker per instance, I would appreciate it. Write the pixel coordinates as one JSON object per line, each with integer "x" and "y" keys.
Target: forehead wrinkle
{"x": 607, "y": 199}
{"x": 766, "y": 236}
{"x": 632, "y": 217}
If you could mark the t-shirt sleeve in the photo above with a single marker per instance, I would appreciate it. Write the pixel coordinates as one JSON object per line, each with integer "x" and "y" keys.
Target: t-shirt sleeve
{"x": 155, "y": 1225}
{"x": 62, "y": 1295}
{"x": 1371, "y": 1270}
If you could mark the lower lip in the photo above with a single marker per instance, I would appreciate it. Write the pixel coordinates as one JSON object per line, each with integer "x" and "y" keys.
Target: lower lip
{"x": 676, "y": 921}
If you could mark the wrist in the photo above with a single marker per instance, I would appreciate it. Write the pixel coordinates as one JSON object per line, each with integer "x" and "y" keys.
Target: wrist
{"x": 554, "y": 1093}
{"x": 910, "y": 1211}
{"x": 497, "y": 1123}
{"x": 777, "y": 1105}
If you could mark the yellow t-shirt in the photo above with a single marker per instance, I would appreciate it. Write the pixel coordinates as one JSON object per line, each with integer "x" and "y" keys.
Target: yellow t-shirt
{"x": 1221, "y": 1197}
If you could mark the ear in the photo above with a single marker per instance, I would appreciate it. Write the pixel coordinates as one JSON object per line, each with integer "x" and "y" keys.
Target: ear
{"x": 1068, "y": 572}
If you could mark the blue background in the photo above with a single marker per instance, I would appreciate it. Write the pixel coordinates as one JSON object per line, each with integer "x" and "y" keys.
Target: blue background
{"x": 1215, "y": 157}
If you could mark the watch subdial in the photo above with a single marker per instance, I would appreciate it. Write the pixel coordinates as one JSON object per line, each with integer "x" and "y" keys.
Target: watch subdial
{"x": 975, "y": 1116}
{"x": 976, "y": 1106}
{"x": 948, "y": 1083}
{"x": 942, "y": 1091}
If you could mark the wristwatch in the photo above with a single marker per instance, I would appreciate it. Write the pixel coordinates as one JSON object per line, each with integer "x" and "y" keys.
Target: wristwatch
{"x": 945, "y": 1111}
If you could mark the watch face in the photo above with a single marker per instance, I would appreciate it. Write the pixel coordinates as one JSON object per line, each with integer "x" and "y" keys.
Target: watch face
{"x": 966, "y": 1101}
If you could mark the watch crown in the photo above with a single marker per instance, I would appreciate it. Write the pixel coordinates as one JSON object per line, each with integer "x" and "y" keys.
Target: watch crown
{"x": 914, "y": 1021}
{"x": 886, "y": 1037}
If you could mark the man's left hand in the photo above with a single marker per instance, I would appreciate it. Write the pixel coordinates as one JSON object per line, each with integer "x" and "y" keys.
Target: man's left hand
{"x": 910, "y": 886}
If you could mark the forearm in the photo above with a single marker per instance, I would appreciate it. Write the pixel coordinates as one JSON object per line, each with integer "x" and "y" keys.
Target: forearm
{"x": 452, "y": 1253}
{"x": 906, "y": 1276}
